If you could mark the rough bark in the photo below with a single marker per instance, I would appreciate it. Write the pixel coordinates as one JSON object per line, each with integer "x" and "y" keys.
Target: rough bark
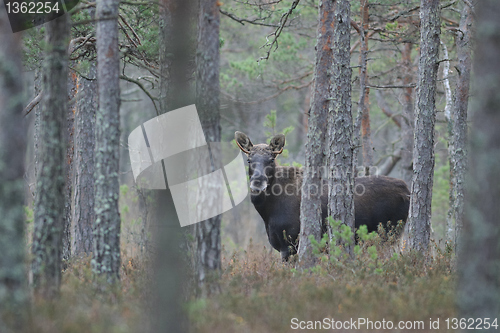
{"x": 36, "y": 122}
{"x": 207, "y": 101}
{"x": 423, "y": 149}
{"x": 479, "y": 253}
{"x": 458, "y": 153}
{"x": 49, "y": 202}
{"x": 70, "y": 148}
{"x": 312, "y": 188}
{"x": 408, "y": 123}
{"x": 340, "y": 128}
{"x": 83, "y": 212}
{"x": 363, "y": 104}
{"x": 106, "y": 254}
{"x": 13, "y": 289}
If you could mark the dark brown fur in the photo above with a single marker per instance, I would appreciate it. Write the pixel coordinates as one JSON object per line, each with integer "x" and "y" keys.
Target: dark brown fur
{"x": 377, "y": 199}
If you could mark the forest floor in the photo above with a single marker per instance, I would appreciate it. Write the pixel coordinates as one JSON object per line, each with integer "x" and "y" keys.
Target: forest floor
{"x": 261, "y": 294}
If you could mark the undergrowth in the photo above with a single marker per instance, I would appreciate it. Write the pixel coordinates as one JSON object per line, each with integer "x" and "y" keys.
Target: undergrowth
{"x": 259, "y": 293}
{"x": 262, "y": 294}
{"x": 81, "y": 307}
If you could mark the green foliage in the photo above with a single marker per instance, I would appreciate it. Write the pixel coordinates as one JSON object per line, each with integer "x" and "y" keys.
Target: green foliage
{"x": 29, "y": 215}
{"x": 391, "y": 26}
{"x": 34, "y": 44}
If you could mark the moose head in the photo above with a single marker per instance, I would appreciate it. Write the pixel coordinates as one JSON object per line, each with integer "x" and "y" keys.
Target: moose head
{"x": 260, "y": 160}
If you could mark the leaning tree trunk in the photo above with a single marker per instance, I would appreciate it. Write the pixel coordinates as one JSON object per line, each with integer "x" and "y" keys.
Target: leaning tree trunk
{"x": 479, "y": 253}
{"x": 423, "y": 149}
{"x": 49, "y": 202}
{"x": 208, "y": 259}
{"x": 83, "y": 211}
{"x": 458, "y": 153}
{"x": 310, "y": 206}
{"x": 13, "y": 288}
{"x": 106, "y": 257}
{"x": 340, "y": 128}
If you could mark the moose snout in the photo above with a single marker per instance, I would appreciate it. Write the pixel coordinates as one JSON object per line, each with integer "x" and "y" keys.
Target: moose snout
{"x": 258, "y": 184}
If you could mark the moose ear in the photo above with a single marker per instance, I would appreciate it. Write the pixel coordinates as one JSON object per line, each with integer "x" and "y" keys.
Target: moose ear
{"x": 243, "y": 141}
{"x": 277, "y": 143}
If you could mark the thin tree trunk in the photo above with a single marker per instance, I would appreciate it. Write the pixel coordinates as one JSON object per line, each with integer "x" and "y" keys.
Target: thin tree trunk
{"x": 459, "y": 120}
{"x": 312, "y": 188}
{"x": 83, "y": 213}
{"x": 49, "y": 202}
{"x": 479, "y": 253}
{"x": 340, "y": 128}
{"x": 106, "y": 261}
{"x": 408, "y": 122}
{"x": 363, "y": 104}
{"x": 423, "y": 149}
{"x": 207, "y": 102}
{"x": 36, "y": 122}
{"x": 13, "y": 287}
{"x": 70, "y": 149}
{"x": 447, "y": 116}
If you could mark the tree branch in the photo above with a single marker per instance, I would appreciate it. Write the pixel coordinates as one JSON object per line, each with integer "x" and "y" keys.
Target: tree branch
{"x": 413, "y": 85}
{"x": 242, "y": 21}
{"x": 397, "y": 118}
{"x": 34, "y": 102}
{"x": 277, "y": 32}
{"x": 140, "y": 85}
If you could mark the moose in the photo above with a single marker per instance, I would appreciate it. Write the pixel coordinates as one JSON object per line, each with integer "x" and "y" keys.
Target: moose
{"x": 275, "y": 192}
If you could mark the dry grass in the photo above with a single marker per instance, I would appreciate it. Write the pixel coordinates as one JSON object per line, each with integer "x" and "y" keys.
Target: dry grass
{"x": 83, "y": 308}
{"x": 261, "y": 294}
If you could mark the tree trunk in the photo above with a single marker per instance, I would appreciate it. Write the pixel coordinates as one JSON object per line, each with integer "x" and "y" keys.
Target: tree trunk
{"x": 207, "y": 101}
{"x": 340, "y": 128}
{"x": 49, "y": 202}
{"x": 106, "y": 253}
{"x": 479, "y": 253}
{"x": 408, "y": 122}
{"x": 423, "y": 149}
{"x": 13, "y": 289}
{"x": 363, "y": 104}
{"x": 458, "y": 154}
{"x": 312, "y": 188}
{"x": 83, "y": 213}
{"x": 70, "y": 149}
{"x": 176, "y": 55}
{"x": 447, "y": 116}
{"x": 170, "y": 270}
